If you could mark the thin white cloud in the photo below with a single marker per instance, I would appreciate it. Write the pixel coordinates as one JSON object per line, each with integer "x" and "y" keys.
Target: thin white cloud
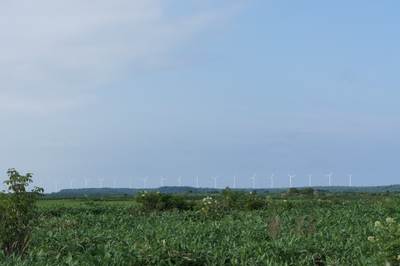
{"x": 48, "y": 143}
{"x": 72, "y": 46}
{"x": 11, "y": 104}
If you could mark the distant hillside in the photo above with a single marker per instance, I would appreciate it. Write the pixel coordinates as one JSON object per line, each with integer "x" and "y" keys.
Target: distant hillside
{"x": 186, "y": 189}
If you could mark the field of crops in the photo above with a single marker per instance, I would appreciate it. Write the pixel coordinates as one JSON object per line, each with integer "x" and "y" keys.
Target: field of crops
{"x": 284, "y": 232}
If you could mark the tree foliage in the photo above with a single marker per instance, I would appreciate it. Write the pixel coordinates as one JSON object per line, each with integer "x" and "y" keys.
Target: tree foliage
{"x": 18, "y": 212}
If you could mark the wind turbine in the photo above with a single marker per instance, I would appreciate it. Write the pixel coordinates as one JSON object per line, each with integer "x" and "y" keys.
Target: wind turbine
{"x": 272, "y": 180}
{"x": 129, "y": 181}
{"x": 350, "y": 179}
{"x": 145, "y": 181}
{"x": 179, "y": 181}
{"x": 86, "y": 182}
{"x": 330, "y": 178}
{"x": 290, "y": 179}
{"x": 100, "y": 182}
{"x": 115, "y": 183}
{"x": 215, "y": 181}
{"x": 234, "y": 181}
{"x": 70, "y": 183}
{"x": 309, "y": 180}
{"x": 197, "y": 181}
{"x": 162, "y": 181}
{"x": 56, "y": 185}
{"x": 254, "y": 180}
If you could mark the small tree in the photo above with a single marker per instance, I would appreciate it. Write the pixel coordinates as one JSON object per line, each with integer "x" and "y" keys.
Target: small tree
{"x": 18, "y": 212}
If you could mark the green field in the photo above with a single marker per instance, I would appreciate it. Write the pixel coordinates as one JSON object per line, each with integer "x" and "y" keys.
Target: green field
{"x": 216, "y": 231}
{"x": 72, "y": 203}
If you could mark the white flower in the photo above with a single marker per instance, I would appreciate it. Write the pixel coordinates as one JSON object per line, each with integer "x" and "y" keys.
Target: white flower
{"x": 378, "y": 224}
{"x": 389, "y": 220}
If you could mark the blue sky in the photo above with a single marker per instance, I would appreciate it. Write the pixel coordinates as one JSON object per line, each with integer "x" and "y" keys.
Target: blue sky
{"x": 131, "y": 89}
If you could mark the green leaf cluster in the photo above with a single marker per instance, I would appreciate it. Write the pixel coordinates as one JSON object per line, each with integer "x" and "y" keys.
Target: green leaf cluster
{"x": 18, "y": 212}
{"x": 156, "y": 201}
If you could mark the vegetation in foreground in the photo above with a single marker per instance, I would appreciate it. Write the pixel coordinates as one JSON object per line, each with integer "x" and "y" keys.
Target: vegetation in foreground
{"x": 233, "y": 228}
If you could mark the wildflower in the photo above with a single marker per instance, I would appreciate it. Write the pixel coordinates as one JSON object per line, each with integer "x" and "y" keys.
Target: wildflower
{"x": 398, "y": 257}
{"x": 389, "y": 220}
{"x": 371, "y": 238}
{"x": 378, "y": 224}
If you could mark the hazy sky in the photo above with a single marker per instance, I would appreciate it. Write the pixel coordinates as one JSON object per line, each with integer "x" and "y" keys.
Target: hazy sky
{"x": 128, "y": 89}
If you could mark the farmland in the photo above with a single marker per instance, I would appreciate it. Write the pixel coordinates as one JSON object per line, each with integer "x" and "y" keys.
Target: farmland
{"x": 229, "y": 228}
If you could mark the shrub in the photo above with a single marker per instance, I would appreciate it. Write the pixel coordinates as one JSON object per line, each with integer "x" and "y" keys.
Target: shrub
{"x": 253, "y": 202}
{"x": 210, "y": 208}
{"x": 307, "y": 191}
{"x": 238, "y": 200}
{"x": 156, "y": 201}
{"x": 18, "y": 213}
{"x": 232, "y": 200}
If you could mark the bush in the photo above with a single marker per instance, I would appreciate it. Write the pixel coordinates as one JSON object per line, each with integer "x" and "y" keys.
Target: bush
{"x": 156, "y": 201}
{"x": 210, "y": 208}
{"x": 232, "y": 200}
{"x": 18, "y": 213}
{"x": 254, "y": 202}
{"x": 238, "y": 200}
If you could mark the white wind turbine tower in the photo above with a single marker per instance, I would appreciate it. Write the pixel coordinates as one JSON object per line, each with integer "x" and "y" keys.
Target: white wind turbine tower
{"x": 272, "y": 180}
{"x": 215, "y": 181}
{"x": 234, "y": 181}
{"x": 86, "y": 182}
{"x": 179, "y": 181}
{"x": 100, "y": 182}
{"x": 70, "y": 183}
{"x": 129, "y": 181}
{"x": 197, "y": 181}
{"x": 290, "y": 179}
{"x": 254, "y": 180}
{"x": 350, "y": 180}
{"x": 309, "y": 180}
{"x": 329, "y": 178}
{"x": 145, "y": 181}
{"x": 162, "y": 181}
